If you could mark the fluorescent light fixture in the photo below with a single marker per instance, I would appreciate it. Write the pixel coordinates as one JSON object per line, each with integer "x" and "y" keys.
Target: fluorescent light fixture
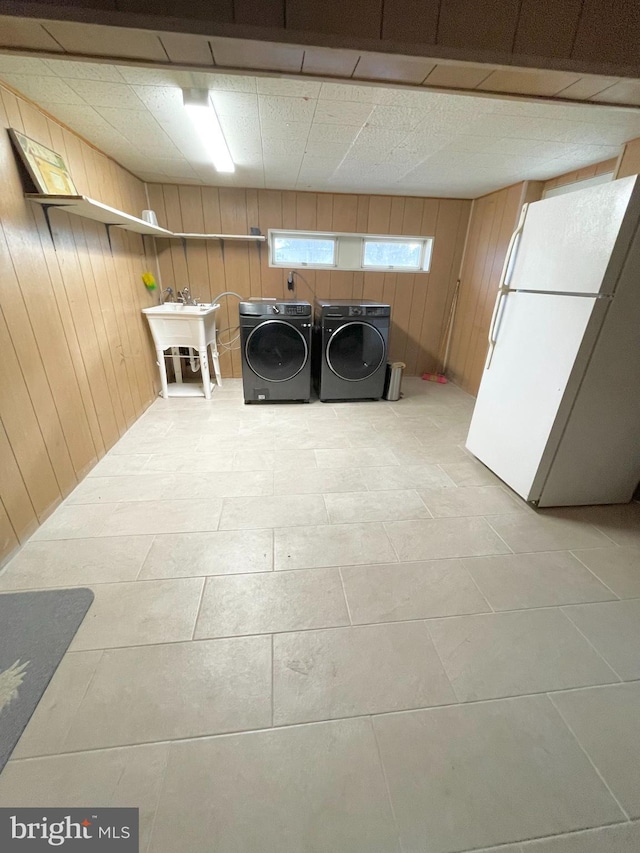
{"x": 201, "y": 111}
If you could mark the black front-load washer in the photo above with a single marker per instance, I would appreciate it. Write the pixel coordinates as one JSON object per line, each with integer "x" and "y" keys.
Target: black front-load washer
{"x": 276, "y": 350}
{"x": 352, "y": 343}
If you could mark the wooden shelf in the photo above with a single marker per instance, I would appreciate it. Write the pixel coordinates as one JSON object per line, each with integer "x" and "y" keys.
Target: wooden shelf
{"x": 256, "y": 238}
{"x": 89, "y": 208}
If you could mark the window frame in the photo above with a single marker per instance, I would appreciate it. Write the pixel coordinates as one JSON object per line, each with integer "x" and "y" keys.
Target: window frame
{"x": 302, "y": 235}
{"x": 349, "y": 249}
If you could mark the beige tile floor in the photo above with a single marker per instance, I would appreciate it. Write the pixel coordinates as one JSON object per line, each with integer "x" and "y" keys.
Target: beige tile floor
{"x": 327, "y": 629}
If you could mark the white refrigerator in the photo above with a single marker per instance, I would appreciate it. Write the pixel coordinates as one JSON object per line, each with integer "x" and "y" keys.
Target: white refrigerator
{"x": 557, "y": 416}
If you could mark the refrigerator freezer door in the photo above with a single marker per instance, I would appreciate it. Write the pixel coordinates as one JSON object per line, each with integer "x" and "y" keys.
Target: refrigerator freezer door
{"x": 543, "y": 342}
{"x": 576, "y": 243}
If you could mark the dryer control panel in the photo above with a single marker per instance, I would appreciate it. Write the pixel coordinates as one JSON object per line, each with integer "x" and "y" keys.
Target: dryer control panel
{"x": 368, "y": 311}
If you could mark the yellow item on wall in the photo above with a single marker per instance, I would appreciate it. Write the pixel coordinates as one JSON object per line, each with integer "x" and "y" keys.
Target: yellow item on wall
{"x": 149, "y": 281}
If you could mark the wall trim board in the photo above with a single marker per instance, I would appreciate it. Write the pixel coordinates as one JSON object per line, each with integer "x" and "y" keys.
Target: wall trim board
{"x": 589, "y": 45}
{"x": 629, "y": 162}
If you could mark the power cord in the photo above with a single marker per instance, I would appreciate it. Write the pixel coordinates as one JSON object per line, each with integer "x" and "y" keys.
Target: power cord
{"x": 228, "y": 346}
{"x": 291, "y": 284}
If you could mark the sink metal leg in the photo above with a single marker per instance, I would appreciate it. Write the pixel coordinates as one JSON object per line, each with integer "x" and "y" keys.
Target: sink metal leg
{"x": 177, "y": 364}
{"x": 216, "y": 365}
{"x": 163, "y": 373}
{"x": 204, "y": 372}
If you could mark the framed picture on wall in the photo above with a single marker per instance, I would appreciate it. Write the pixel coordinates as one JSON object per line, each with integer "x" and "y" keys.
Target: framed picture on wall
{"x": 47, "y": 170}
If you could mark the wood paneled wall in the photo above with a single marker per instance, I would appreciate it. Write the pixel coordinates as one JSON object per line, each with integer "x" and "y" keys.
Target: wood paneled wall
{"x": 76, "y": 368}
{"x": 493, "y": 220}
{"x": 419, "y": 302}
{"x": 581, "y": 174}
{"x": 630, "y": 160}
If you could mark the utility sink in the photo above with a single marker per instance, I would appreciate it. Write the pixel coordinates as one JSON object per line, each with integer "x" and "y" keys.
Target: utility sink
{"x": 174, "y": 325}
{"x": 170, "y": 309}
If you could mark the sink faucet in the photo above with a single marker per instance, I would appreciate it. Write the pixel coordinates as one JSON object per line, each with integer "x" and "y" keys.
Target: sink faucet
{"x": 186, "y": 298}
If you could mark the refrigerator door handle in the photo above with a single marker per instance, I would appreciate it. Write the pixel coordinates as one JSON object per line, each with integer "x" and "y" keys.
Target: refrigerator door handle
{"x": 505, "y": 278}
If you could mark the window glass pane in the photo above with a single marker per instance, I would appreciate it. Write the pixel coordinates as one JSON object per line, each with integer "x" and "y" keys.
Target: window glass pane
{"x": 387, "y": 253}
{"x": 303, "y": 250}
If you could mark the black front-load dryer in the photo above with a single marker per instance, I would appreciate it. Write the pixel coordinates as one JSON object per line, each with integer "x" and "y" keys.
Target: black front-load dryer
{"x": 352, "y": 343}
{"x": 276, "y": 350}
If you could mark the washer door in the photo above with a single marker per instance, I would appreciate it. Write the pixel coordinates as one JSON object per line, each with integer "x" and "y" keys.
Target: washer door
{"x": 355, "y": 351}
{"x": 276, "y": 351}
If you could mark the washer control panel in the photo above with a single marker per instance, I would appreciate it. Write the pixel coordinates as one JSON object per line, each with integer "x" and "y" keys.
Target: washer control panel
{"x": 296, "y": 310}
{"x": 269, "y": 307}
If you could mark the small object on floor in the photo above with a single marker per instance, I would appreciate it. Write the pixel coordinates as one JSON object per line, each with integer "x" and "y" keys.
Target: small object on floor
{"x": 435, "y": 377}
{"x": 149, "y": 280}
{"x": 36, "y": 629}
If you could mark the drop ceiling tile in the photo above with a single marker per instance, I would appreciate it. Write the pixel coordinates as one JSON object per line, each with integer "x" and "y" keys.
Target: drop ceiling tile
{"x": 407, "y": 157}
{"x": 319, "y": 166}
{"x": 396, "y": 117}
{"x": 332, "y": 133}
{"x": 106, "y": 41}
{"x": 284, "y": 129}
{"x": 141, "y": 129}
{"x": 187, "y": 49}
{"x": 329, "y": 62}
{"x": 21, "y": 32}
{"x": 327, "y": 149}
{"x": 283, "y": 162}
{"x": 137, "y": 75}
{"x": 160, "y": 100}
{"x": 342, "y": 112}
{"x": 101, "y": 94}
{"x": 274, "y": 108}
{"x": 427, "y": 139}
{"x": 174, "y": 168}
{"x": 593, "y": 134}
{"x": 462, "y": 76}
{"x": 82, "y": 113}
{"x": 247, "y": 127}
{"x": 288, "y": 88}
{"x": 528, "y": 82}
{"x": 276, "y": 148}
{"x": 69, "y": 69}
{"x": 222, "y": 82}
{"x": 497, "y": 126}
{"x": 391, "y": 68}
{"x": 463, "y": 143}
{"x": 46, "y": 91}
{"x": 235, "y": 104}
{"x": 24, "y": 65}
{"x": 240, "y": 53}
{"x": 378, "y": 138}
{"x": 350, "y": 92}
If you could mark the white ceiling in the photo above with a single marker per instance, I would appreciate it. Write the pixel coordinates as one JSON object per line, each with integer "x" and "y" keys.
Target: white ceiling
{"x": 312, "y": 135}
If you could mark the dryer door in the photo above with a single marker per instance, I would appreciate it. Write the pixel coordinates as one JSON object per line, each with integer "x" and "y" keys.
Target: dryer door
{"x": 276, "y": 351}
{"x": 355, "y": 351}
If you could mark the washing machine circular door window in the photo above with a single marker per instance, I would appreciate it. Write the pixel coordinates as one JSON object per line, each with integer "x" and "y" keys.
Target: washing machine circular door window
{"x": 355, "y": 351}
{"x": 276, "y": 351}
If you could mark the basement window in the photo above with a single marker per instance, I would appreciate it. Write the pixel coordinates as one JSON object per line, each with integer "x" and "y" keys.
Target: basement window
{"x": 342, "y": 251}
{"x": 305, "y": 250}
